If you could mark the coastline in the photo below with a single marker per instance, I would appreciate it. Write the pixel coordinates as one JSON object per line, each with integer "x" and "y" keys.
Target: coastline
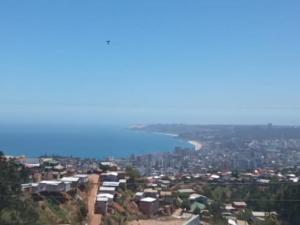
{"x": 98, "y": 142}
{"x": 167, "y": 134}
{"x": 197, "y": 145}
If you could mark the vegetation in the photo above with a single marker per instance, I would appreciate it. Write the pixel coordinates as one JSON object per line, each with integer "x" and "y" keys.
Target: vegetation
{"x": 18, "y": 208}
{"x": 282, "y": 198}
{"x": 15, "y": 207}
{"x": 134, "y": 175}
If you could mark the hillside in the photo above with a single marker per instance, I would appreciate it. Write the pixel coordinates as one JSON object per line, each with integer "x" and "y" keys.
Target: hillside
{"x": 21, "y": 208}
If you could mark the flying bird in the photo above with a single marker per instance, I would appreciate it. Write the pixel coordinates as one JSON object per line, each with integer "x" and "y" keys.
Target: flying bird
{"x": 108, "y": 42}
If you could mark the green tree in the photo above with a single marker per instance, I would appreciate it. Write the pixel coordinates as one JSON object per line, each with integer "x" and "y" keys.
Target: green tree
{"x": 134, "y": 175}
{"x": 15, "y": 207}
{"x": 197, "y": 211}
{"x": 245, "y": 215}
{"x": 186, "y": 204}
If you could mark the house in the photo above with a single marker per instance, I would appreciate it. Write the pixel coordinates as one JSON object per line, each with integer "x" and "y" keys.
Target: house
{"x": 186, "y": 191}
{"x": 47, "y": 175}
{"x": 110, "y": 165}
{"x": 165, "y": 184}
{"x": 36, "y": 175}
{"x": 73, "y": 180}
{"x": 138, "y": 196}
{"x": 101, "y": 205}
{"x": 229, "y": 208}
{"x": 294, "y": 179}
{"x": 109, "y": 176}
{"x": 35, "y": 188}
{"x": 32, "y": 165}
{"x": 26, "y": 187}
{"x": 111, "y": 184}
{"x": 51, "y": 186}
{"x": 263, "y": 181}
{"x": 237, "y": 222}
{"x": 148, "y": 192}
{"x": 109, "y": 190}
{"x": 214, "y": 177}
{"x": 194, "y": 197}
{"x": 59, "y": 168}
{"x": 68, "y": 186}
{"x": 121, "y": 174}
{"x": 122, "y": 183}
{"x": 239, "y": 205}
{"x": 149, "y": 206}
{"x": 166, "y": 197}
{"x": 83, "y": 178}
{"x": 199, "y": 198}
{"x": 71, "y": 170}
{"x": 228, "y": 215}
{"x": 110, "y": 197}
{"x": 58, "y": 174}
{"x": 261, "y": 216}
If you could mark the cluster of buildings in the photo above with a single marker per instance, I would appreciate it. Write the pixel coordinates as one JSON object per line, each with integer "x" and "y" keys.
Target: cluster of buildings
{"x": 110, "y": 183}
{"x": 50, "y": 175}
{"x": 65, "y": 184}
{"x": 231, "y": 211}
{"x": 226, "y": 148}
{"x": 161, "y": 197}
{"x": 155, "y": 199}
{"x": 229, "y": 155}
{"x": 184, "y": 164}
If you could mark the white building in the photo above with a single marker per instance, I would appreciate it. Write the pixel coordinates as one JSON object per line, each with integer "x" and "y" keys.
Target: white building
{"x": 110, "y": 197}
{"x": 73, "y": 180}
{"x": 83, "y": 178}
{"x": 109, "y": 190}
{"x": 149, "y": 206}
{"x": 110, "y": 184}
{"x": 109, "y": 176}
{"x": 51, "y": 186}
{"x": 101, "y": 205}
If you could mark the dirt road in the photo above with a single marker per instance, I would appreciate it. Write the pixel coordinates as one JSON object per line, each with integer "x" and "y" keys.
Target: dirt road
{"x": 93, "y": 219}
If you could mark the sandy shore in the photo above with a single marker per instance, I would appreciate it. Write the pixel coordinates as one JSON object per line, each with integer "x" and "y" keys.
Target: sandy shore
{"x": 167, "y": 134}
{"x": 197, "y": 145}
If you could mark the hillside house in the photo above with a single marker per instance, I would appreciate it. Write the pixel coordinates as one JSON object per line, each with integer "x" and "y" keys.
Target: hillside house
{"x": 108, "y": 190}
{"x": 83, "y": 178}
{"x": 101, "y": 205}
{"x": 149, "y": 206}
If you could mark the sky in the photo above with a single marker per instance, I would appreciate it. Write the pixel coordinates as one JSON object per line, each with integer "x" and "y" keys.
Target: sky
{"x": 169, "y": 61}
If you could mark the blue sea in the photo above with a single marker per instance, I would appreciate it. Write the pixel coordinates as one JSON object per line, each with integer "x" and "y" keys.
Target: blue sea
{"x": 83, "y": 141}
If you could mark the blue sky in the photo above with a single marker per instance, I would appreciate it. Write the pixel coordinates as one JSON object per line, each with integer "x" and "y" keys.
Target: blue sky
{"x": 168, "y": 61}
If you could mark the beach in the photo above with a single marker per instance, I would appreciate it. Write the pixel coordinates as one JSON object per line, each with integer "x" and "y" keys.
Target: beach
{"x": 197, "y": 144}
{"x": 167, "y": 134}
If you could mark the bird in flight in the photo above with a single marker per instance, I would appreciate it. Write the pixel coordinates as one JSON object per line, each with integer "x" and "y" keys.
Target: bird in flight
{"x": 108, "y": 42}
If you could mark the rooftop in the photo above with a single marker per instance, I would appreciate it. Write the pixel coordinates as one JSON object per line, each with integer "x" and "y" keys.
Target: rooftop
{"x": 81, "y": 175}
{"x": 70, "y": 179}
{"x": 105, "y": 195}
{"x": 187, "y": 190}
{"x": 51, "y": 182}
{"x": 148, "y": 199}
{"x": 102, "y": 188}
{"x": 111, "y": 183}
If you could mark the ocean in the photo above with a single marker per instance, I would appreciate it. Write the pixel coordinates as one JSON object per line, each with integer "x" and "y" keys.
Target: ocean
{"x": 83, "y": 141}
